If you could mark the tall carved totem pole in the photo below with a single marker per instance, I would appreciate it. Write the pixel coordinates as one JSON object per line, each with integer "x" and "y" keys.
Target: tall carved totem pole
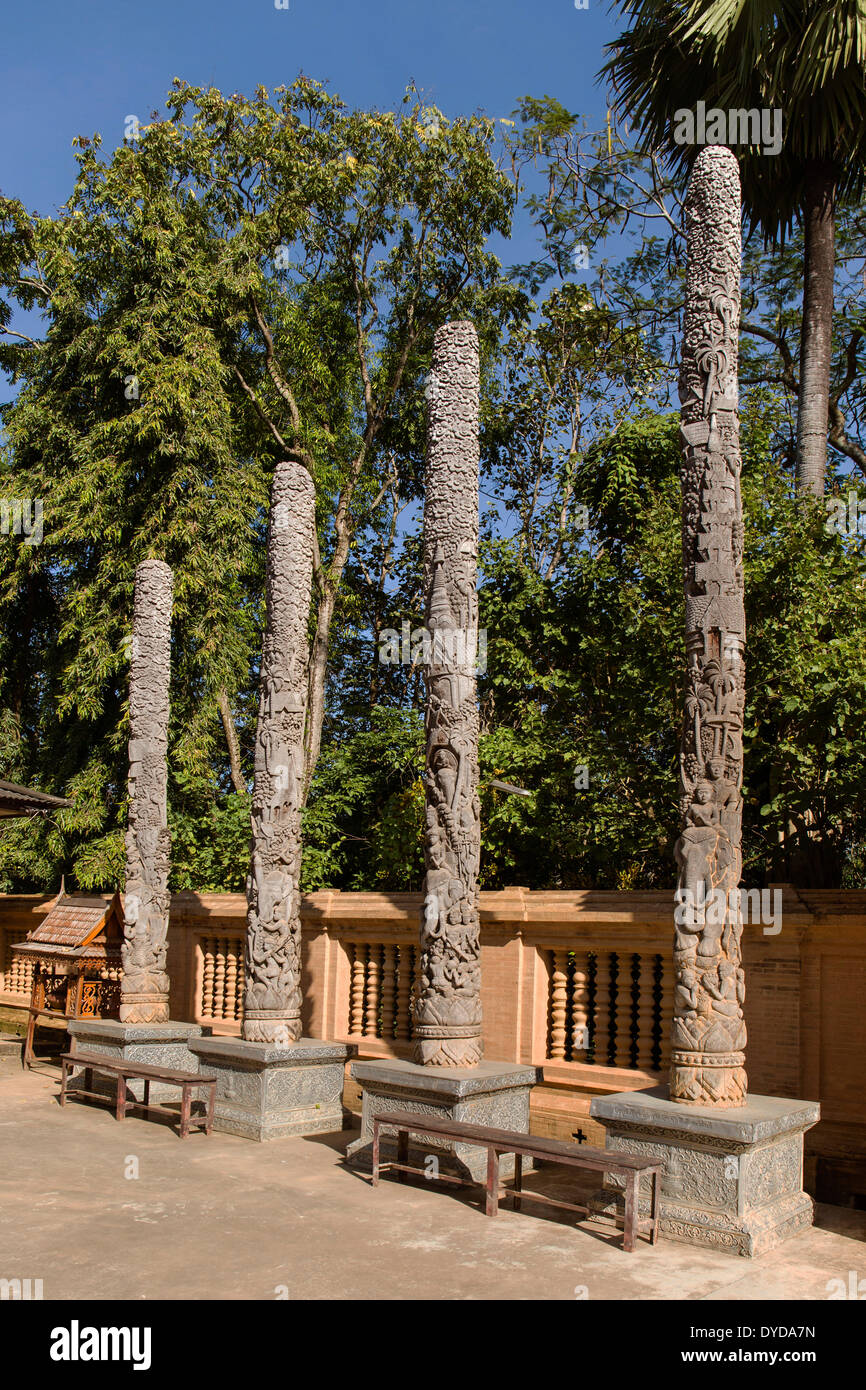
{"x": 144, "y": 984}
{"x": 272, "y": 1002}
{"x": 447, "y": 1015}
{"x": 707, "y": 1059}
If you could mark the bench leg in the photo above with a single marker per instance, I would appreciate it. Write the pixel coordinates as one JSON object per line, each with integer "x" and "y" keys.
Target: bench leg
{"x": 628, "y": 1239}
{"x": 27, "y": 1054}
{"x": 147, "y": 1091}
{"x": 518, "y": 1180}
{"x": 121, "y": 1097}
{"x": 375, "y": 1153}
{"x": 184, "y": 1110}
{"x": 211, "y": 1102}
{"x": 654, "y": 1208}
{"x": 88, "y": 1078}
{"x": 402, "y": 1153}
{"x": 63, "y": 1078}
{"x": 492, "y": 1203}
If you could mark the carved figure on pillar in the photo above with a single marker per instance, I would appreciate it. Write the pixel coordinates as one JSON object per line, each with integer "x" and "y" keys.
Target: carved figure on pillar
{"x": 708, "y": 1037}
{"x": 272, "y": 999}
{"x": 447, "y": 1013}
{"x": 144, "y": 983}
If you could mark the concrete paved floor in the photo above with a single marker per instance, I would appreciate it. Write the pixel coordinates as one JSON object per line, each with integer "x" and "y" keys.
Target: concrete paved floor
{"x": 223, "y": 1218}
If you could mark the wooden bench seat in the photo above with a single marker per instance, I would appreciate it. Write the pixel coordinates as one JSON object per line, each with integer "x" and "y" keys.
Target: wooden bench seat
{"x": 123, "y": 1071}
{"x": 506, "y": 1141}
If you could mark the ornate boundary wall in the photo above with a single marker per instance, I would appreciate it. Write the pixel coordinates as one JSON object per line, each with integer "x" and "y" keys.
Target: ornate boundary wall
{"x": 576, "y": 982}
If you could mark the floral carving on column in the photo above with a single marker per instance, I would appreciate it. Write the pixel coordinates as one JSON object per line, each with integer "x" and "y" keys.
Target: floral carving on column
{"x": 447, "y": 1014}
{"x": 709, "y": 1034}
{"x": 144, "y": 985}
{"x": 272, "y": 1000}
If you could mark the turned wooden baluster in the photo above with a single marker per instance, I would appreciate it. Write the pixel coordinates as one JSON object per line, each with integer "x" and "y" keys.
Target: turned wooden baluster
{"x": 207, "y": 972}
{"x": 219, "y": 980}
{"x": 404, "y": 994}
{"x": 580, "y": 1007}
{"x": 389, "y": 984}
{"x": 359, "y": 970}
{"x": 230, "y": 1002}
{"x": 620, "y": 1011}
{"x": 666, "y": 1009}
{"x": 558, "y": 1003}
{"x": 601, "y": 1019}
{"x": 371, "y": 1012}
{"x": 646, "y": 1012}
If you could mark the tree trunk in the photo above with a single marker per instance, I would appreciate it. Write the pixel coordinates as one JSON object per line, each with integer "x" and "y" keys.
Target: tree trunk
{"x": 817, "y": 328}
{"x": 232, "y": 742}
{"x": 318, "y": 683}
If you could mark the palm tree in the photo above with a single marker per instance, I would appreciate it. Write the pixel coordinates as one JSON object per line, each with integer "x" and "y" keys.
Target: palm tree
{"x": 806, "y": 58}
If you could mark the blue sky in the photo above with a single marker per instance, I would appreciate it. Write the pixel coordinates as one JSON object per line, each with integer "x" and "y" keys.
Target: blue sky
{"x": 70, "y": 69}
{"x": 75, "y": 69}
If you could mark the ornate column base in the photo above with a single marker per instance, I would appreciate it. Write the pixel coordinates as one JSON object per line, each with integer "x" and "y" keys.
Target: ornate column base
{"x": 492, "y": 1093}
{"x": 448, "y": 1046}
{"x": 268, "y": 1091}
{"x": 271, "y": 1027}
{"x": 144, "y": 1008}
{"x": 155, "y": 1044}
{"x": 733, "y": 1177}
{"x": 717, "y": 1080}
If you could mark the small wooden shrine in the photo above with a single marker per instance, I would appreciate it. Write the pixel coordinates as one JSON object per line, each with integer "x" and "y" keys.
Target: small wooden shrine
{"x": 75, "y": 952}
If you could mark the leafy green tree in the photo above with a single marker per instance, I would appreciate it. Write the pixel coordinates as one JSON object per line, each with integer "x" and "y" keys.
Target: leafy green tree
{"x": 805, "y": 58}
{"x": 246, "y": 280}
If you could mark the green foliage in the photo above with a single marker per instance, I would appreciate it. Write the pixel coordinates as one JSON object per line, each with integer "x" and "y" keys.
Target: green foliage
{"x": 271, "y": 271}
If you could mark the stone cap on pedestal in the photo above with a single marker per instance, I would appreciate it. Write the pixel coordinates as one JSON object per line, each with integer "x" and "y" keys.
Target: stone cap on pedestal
{"x": 109, "y": 1030}
{"x": 452, "y": 1083}
{"x": 252, "y": 1054}
{"x": 761, "y": 1118}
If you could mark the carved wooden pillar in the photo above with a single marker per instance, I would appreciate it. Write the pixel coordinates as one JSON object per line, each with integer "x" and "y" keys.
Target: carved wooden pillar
{"x": 448, "y": 1006}
{"x": 708, "y": 1036}
{"x": 144, "y": 986}
{"x": 272, "y": 1002}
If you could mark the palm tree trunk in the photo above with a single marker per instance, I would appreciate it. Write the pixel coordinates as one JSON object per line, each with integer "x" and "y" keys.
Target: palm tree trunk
{"x": 817, "y": 329}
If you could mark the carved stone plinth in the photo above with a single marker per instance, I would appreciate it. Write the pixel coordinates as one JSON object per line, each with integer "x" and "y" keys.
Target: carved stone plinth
{"x": 733, "y": 1179}
{"x": 265, "y": 1091}
{"x": 154, "y": 1044}
{"x": 491, "y": 1093}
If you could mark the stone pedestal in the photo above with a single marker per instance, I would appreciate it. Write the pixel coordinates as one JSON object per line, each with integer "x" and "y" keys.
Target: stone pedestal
{"x": 269, "y": 1090}
{"x": 154, "y": 1044}
{"x": 733, "y": 1178}
{"x": 490, "y": 1093}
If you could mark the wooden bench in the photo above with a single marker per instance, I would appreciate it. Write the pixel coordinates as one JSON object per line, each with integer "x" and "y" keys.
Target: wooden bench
{"x": 506, "y": 1141}
{"x": 125, "y": 1071}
